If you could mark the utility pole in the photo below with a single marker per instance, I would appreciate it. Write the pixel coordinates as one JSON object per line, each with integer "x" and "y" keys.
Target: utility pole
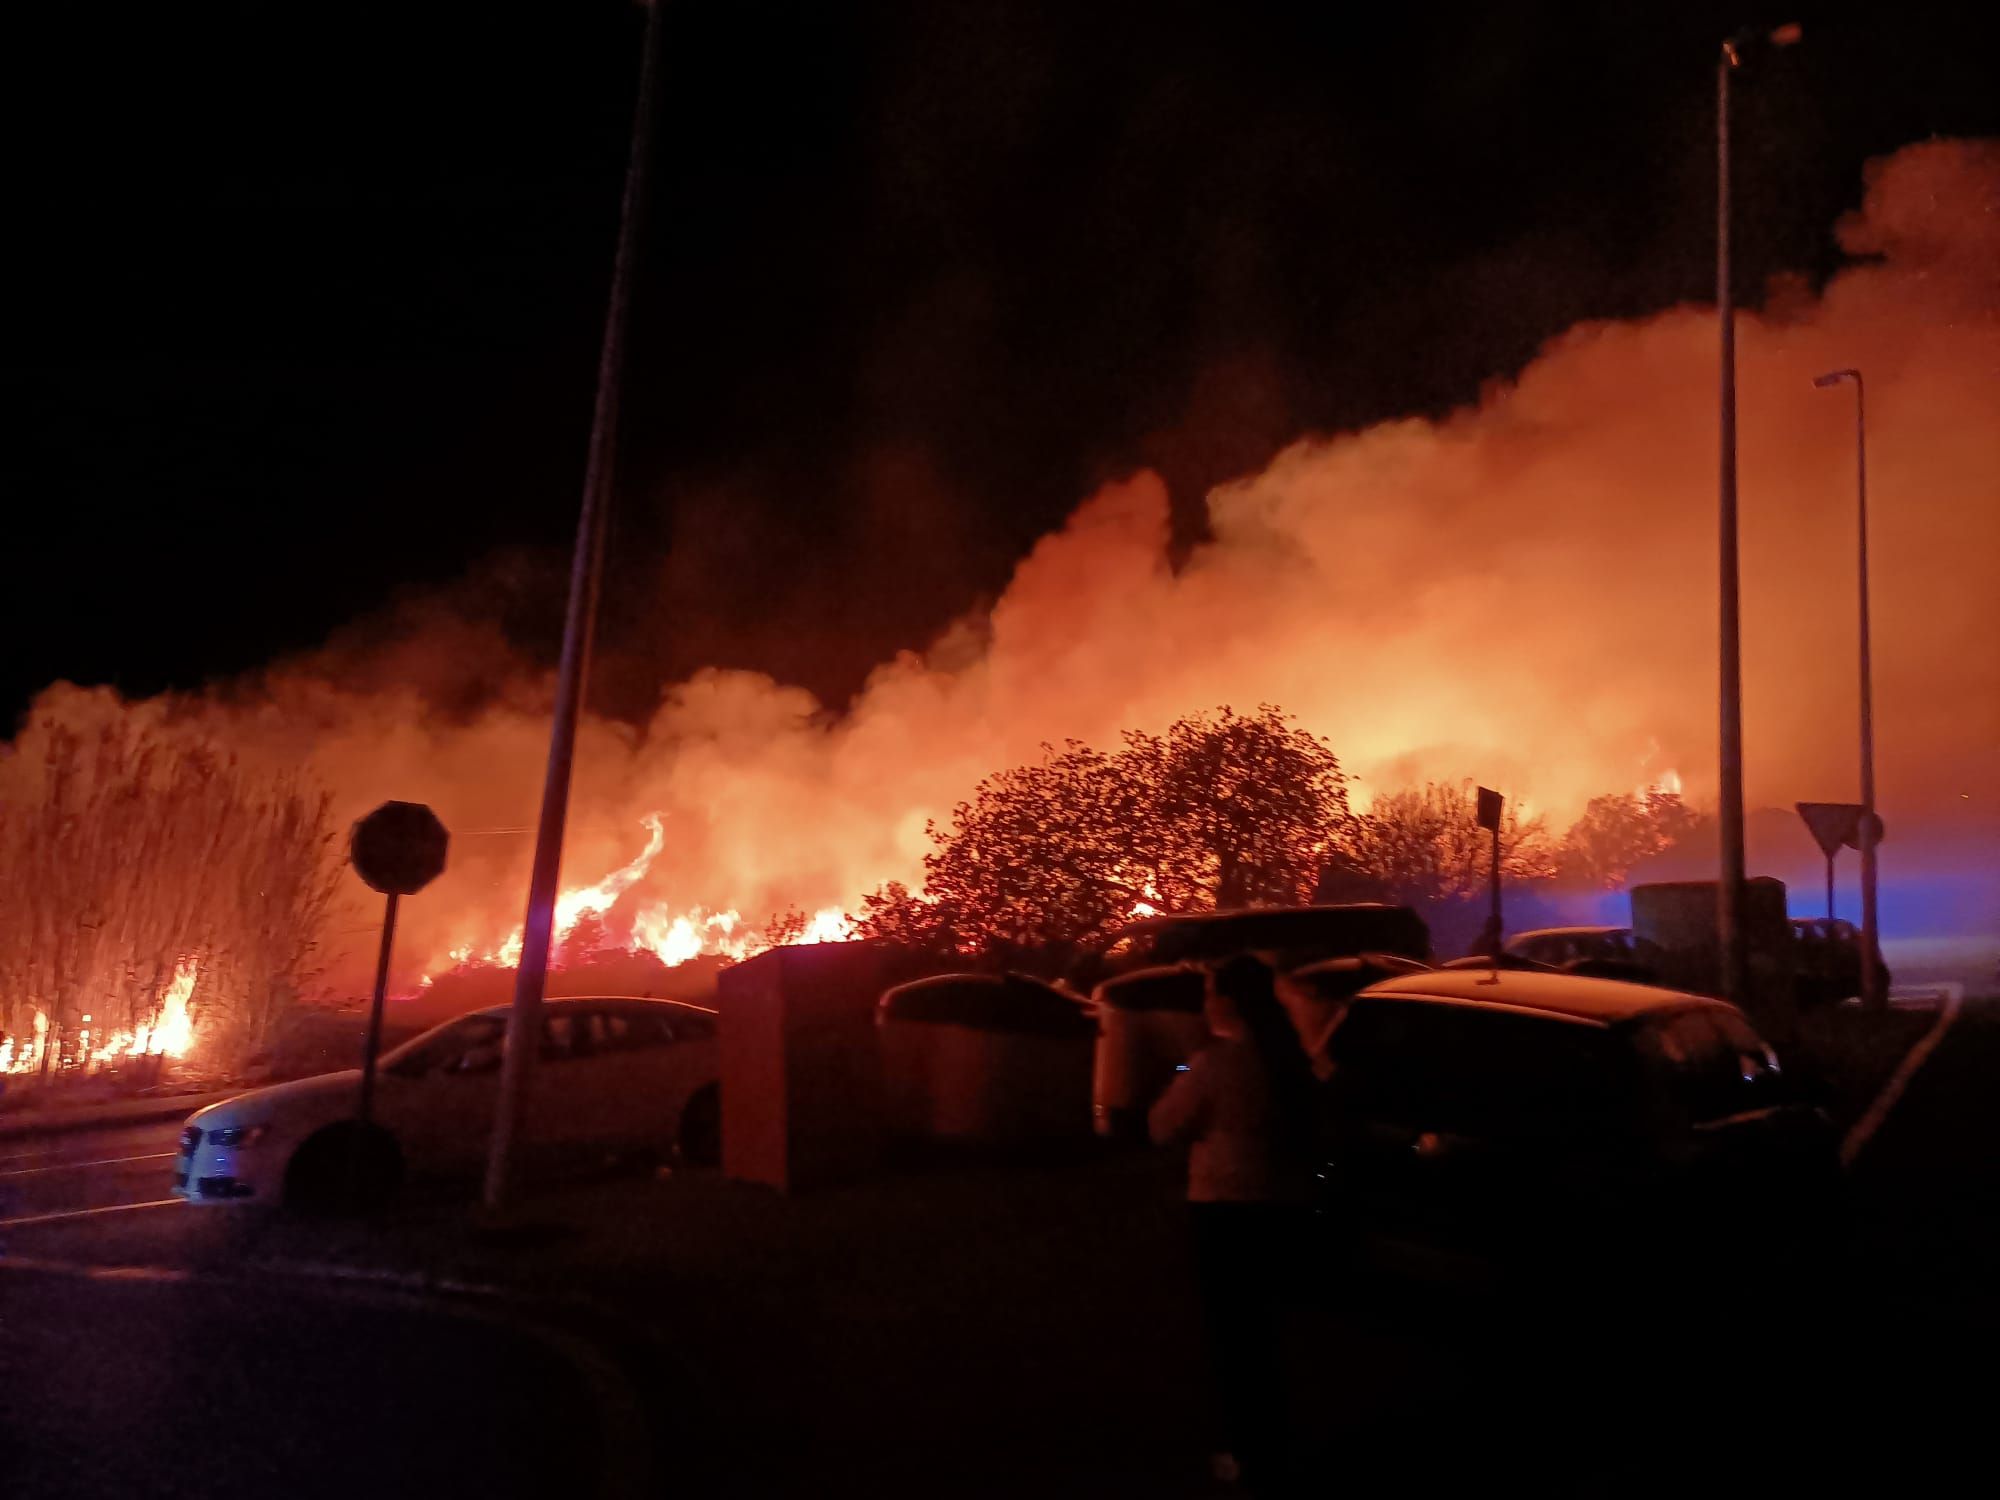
{"x": 524, "y": 1021}
{"x": 1869, "y": 834}
{"x": 1729, "y": 911}
{"x": 1729, "y": 895}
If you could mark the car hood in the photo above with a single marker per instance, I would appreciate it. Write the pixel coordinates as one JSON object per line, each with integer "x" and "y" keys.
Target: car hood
{"x": 324, "y": 1096}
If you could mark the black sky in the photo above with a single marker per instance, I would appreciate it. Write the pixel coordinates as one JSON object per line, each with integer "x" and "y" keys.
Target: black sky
{"x": 304, "y": 299}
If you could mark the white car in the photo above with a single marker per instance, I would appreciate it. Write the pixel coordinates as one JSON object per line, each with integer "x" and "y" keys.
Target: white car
{"x": 614, "y": 1073}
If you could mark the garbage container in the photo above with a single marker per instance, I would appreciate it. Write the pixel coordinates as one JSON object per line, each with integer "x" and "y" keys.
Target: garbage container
{"x": 984, "y": 1059}
{"x": 1149, "y": 1022}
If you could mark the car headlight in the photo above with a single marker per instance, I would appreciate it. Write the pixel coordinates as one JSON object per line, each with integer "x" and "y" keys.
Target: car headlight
{"x": 237, "y": 1135}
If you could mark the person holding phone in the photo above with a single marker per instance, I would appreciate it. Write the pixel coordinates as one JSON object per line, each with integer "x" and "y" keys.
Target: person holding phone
{"x": 1244, "y": 1107}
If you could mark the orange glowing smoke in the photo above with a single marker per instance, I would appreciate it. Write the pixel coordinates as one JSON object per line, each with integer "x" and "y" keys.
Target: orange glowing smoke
{"x": 1521, "y": 593}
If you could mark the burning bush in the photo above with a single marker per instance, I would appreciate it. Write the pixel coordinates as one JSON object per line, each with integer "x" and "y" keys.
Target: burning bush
{"x": 161, "y": 897}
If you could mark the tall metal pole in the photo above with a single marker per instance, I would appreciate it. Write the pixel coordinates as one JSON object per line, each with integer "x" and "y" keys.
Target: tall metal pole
{"x": 1729, "y": 900}
{"x": 1871, "y": 969}
{"x": 579, "y": 622}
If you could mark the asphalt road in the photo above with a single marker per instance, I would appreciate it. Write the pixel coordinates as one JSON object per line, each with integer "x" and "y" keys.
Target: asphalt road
{"x": 200, "y": 1388}
{"x": 99, "y": 1169}
{"x": 147, "y": 1349}
{"x": 976, "y": 1334}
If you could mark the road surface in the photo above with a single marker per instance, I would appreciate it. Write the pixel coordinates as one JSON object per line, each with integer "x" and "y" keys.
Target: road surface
{"x": 87, "y": 1170}
{"x": 139, "y": 1358}
{"x": 190, "y": 1388}
{"x": 977, "y": 1332}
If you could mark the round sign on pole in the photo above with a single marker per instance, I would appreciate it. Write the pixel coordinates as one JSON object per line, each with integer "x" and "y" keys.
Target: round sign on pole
{"x": 399, "y": 848}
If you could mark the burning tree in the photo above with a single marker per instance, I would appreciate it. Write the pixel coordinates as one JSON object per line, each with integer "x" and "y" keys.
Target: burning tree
{"x": 1224, "y": 810}
{"x": 149, "y": 871}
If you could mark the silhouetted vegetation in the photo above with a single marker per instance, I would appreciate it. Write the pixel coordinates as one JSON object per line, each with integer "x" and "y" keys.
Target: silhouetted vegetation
{"x": 1227, "y": 811}
{"x": 133, "y": 855}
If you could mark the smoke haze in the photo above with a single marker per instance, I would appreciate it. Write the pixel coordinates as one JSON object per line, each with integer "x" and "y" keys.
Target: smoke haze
{"x": 1522, "y": 593}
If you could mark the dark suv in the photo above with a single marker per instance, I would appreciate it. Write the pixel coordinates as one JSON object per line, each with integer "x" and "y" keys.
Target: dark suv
{"x": 1523, "y": 1117}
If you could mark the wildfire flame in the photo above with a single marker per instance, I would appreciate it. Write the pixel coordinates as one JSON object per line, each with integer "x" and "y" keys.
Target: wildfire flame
{"x": 170, "y": 1035}
{"x": 674, "y": 937}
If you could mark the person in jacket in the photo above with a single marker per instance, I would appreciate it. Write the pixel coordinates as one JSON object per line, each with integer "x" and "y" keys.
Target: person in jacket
{"x": 1244, "y": 1107}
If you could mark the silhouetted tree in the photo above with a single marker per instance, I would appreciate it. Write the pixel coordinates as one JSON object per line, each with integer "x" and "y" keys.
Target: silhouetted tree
{"x": 1617, "y": 831}
{"x": 1245, "y": 808}
{"x": 1424, "y": 846}
{"x": 1223, "y": 810}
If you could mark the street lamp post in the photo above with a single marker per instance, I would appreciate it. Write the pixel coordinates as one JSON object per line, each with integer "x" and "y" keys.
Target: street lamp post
{"x": 1729, "y": 894}
{"x": 573, "y": 667}
{"x": 1871, "y": 968}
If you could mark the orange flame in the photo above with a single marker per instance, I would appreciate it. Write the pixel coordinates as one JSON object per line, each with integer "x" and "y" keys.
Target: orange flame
{"x": 170, "y": 1035}
{"x": 674, "y": 937}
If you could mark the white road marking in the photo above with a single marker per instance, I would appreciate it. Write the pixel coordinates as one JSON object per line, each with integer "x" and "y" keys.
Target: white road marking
{"x": 1870, "y": 1122}
{"x": 88, "y": 1213}
{"x": 78, "y": 1166}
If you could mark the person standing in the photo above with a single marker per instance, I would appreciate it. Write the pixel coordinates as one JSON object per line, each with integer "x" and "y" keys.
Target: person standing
{"x": 1245, "y": 1109}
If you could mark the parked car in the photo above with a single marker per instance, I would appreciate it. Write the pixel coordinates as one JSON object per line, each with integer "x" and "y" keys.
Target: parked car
{"x": 1602, "y": 952}
{"x": 1519, "y": 1118}
{"x": 614, "y": 1073}
{"x": 1827, "y": 969}
{"x": 1318, "y": 994}
{"x": 1290, "y": 936}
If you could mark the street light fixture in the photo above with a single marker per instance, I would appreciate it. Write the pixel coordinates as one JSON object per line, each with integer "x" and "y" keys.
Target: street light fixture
{"x": 1871, "y": 968}
{"x": 1729, "y": 898}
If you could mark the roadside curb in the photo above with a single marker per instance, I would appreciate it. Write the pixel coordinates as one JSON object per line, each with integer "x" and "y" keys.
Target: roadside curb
{"x": 108, "y": 1116}
{"x": 1892, "y": 1091}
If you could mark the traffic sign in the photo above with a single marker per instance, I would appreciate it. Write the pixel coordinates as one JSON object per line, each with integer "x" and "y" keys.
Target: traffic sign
{"x": 1490, "y": 803}
{"x": 399, "y": 848}
{"x": 1834, "y": 825}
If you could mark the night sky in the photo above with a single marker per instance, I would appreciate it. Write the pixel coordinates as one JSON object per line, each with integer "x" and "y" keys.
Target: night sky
{"x": 305, "y": 299}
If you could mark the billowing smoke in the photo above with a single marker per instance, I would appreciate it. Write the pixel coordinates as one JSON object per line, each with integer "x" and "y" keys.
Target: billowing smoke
{"x": 1522, "y": 593}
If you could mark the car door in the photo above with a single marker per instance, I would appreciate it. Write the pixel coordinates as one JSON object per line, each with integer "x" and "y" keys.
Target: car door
{"x": 634, "y": 1045}
{"x": 569, "y": 1101}
{"x": 439, "y": 1104}
{"x": 1477, "y": 1129}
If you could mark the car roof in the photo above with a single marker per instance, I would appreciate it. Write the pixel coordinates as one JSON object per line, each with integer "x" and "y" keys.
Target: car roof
{"x": 1566, "y": 932}
{"x": 1603, "y": 1002}
{"x": 1170, "y": 919}
{"x": 557, "y": 1002}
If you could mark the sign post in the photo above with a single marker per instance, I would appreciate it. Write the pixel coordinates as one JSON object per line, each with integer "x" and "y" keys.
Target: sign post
{"x": 1841, "y": 825}
{"x": 1490, "y": 805}
{"x": 398, "y": 849}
